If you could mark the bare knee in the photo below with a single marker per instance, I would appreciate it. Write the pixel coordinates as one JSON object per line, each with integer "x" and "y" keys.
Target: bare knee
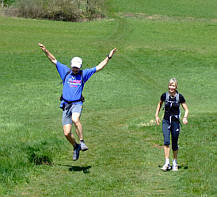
{"x": 67, "y": 130}
{"x": 76, "y": 121}
{"x": 67, "y": 133}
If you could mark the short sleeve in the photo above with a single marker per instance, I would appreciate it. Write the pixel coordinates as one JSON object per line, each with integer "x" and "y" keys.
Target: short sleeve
{"x": 163, "y": 97}
{"x": 181, "y": 98}
{"x": 62, "y": 69}
{"x": 87, "y": 73}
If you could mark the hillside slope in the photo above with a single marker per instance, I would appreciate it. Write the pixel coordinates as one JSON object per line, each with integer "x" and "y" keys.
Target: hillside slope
{"x": 155, "y": 42}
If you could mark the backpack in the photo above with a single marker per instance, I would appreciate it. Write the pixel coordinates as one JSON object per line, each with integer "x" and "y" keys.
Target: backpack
{"x": 169, "y": 103}
{"x": 168, "y": 96}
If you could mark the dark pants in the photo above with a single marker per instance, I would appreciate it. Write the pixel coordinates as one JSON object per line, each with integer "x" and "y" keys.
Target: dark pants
{"x": 174, "y": 128}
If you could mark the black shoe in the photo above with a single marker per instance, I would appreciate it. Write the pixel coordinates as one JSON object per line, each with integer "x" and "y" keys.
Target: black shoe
{"x": 76, "y": 152}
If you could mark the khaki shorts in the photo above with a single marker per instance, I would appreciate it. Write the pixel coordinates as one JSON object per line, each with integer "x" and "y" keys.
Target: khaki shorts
{"x": 67, "y": 113}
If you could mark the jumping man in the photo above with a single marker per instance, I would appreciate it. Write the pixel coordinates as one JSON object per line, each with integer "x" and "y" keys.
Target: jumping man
{"x": 72, "y": 100}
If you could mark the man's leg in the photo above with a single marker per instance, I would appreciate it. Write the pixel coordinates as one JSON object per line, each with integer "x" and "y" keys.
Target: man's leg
{"x": 78, "y": 126}
{"x": 69, "y": 136}
{"x": 78, "y": 129}
{"x": 67, "y": 126}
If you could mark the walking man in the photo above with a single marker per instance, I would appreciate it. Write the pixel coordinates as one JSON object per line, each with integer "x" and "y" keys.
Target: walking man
{"x": 72, "y": 100}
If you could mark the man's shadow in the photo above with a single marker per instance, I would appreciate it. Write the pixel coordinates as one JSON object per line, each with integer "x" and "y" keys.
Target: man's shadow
{"x": 84, "y": 169}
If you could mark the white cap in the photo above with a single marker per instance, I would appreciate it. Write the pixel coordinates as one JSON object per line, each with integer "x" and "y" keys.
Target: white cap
{"x": 76, "y": 62}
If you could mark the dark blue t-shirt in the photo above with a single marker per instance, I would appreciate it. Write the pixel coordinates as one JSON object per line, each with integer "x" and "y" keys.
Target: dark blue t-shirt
{"x": 72, "y": 83}
{"x": 174, "y": 109}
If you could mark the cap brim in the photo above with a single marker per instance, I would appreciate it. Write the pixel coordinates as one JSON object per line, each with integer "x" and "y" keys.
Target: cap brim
{"x": 75, "y": 66}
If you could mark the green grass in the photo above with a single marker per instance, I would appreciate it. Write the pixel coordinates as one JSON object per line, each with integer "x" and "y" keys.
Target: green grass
{"x": 124, "y": 155}
{"x": 183, "y": 8}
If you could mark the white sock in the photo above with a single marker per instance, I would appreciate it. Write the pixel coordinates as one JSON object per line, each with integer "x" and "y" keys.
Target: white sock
{"x": 167, "y": 161}
{"x": 174, "y": 162}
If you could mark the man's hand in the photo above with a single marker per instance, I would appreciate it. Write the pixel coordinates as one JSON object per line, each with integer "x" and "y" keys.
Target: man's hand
{"x": 41, "y": 46}
{"x": 47, "y": 53}
{"x": 111, "y": 53}
{"x": 102, "y": 64}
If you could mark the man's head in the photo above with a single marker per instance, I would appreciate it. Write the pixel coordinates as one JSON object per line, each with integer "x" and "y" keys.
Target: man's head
{"x": 76, "y": 64}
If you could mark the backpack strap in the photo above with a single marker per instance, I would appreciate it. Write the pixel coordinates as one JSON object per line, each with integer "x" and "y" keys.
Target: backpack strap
{"x": 66, "y": 76}
{"x": 82, "y": 78}
{"x": 167, "y": 96}
{"x": 177, "y": 97}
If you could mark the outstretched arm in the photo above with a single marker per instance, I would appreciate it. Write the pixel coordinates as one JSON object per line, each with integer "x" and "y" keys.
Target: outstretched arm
{"x": 47, "y": 53}
{"x": 157, "y": 112}
{"x": 105, "y": 61}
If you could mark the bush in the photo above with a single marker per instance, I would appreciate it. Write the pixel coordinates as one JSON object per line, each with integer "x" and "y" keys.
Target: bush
{"x": 64, "y": 10}
{"x": 7, "y": 3}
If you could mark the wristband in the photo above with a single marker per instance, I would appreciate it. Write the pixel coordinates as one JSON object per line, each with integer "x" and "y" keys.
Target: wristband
{"x": 109, "y": 57}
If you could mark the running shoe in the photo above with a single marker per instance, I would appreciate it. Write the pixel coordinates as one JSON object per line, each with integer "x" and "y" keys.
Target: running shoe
{"x": 83, "y": 146}
{"x": 175, "y": 168}
{"x": 76, "y": 152}
{"x": 166, "y": 167}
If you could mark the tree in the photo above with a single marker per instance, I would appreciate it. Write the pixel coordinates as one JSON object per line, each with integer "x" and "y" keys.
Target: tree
{"x": 6, "y": 2}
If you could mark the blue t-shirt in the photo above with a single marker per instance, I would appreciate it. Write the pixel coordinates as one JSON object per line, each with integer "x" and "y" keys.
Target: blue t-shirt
{"x": 73, "y": 84}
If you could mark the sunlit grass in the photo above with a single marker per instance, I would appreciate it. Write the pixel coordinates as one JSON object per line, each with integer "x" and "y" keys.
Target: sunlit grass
{"x": 125, "y": 148}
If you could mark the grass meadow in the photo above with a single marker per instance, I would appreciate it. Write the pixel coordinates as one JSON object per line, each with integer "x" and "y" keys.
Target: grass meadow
{"x": 156, "y": 40}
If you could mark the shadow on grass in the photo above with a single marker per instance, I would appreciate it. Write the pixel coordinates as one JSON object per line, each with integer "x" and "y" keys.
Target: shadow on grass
{"x": 179, "y": 167}
{"x": 85, "y": 169}
{"x": 80, "y": 168}
{"x": 183, "y": 167}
